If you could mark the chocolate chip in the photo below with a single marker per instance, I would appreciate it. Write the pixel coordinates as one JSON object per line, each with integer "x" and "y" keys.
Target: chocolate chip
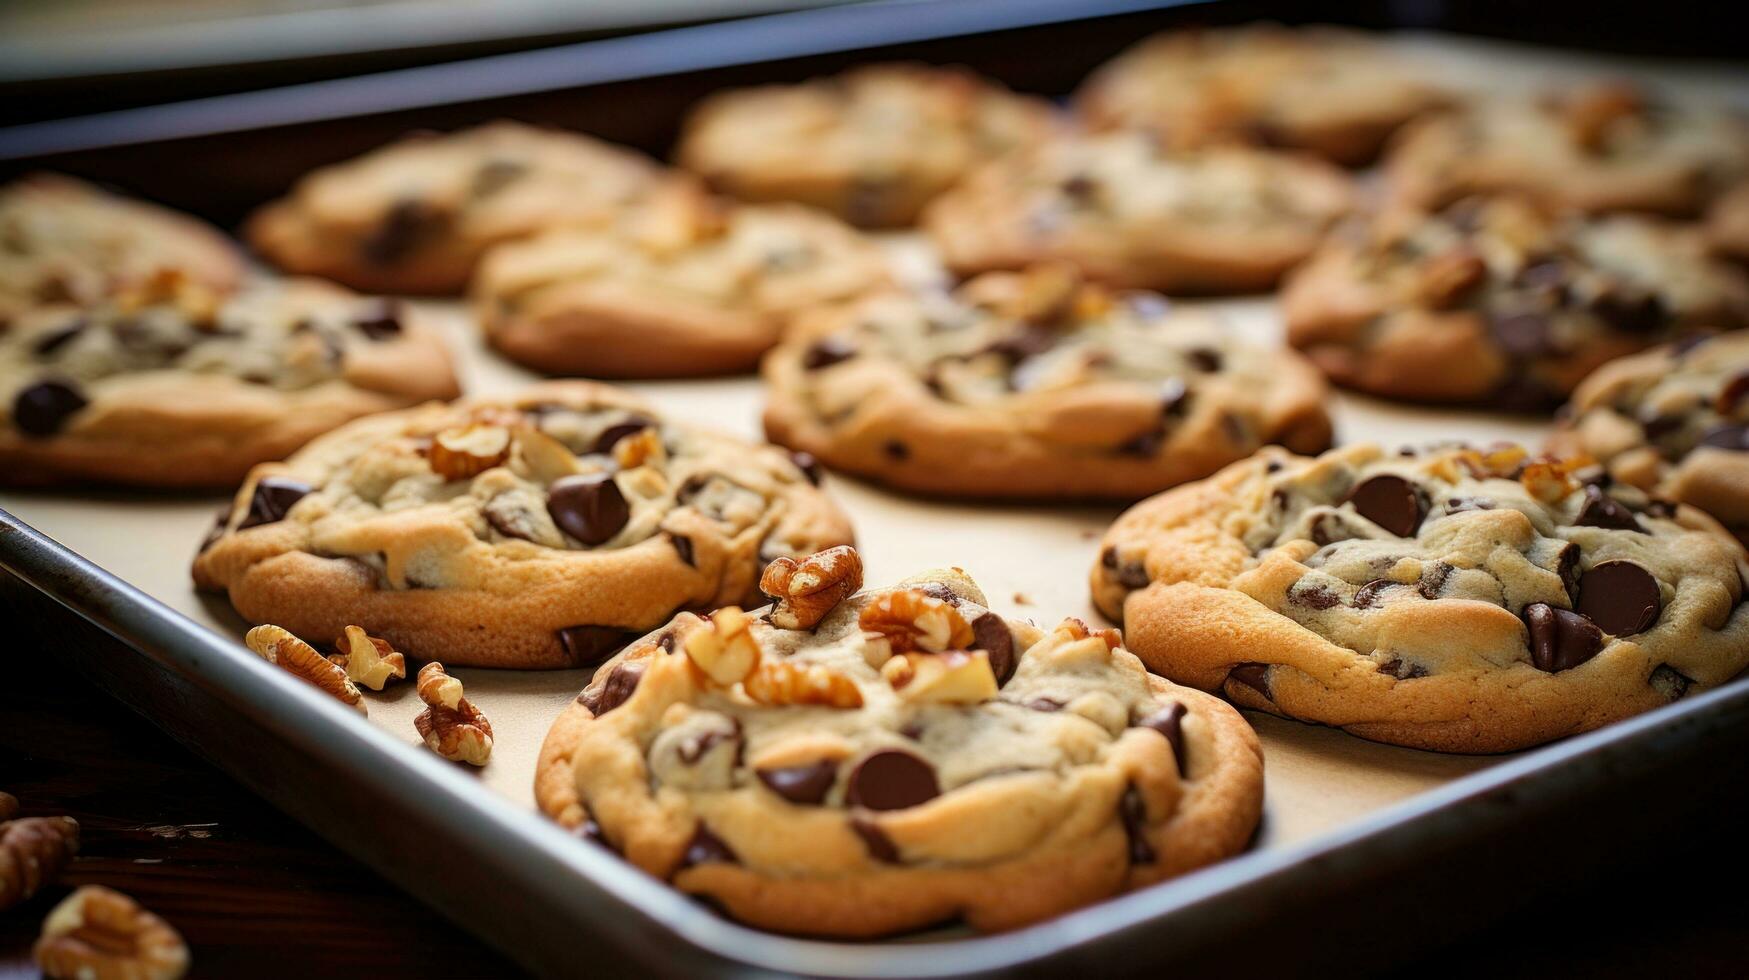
{"x": 1433, "y": 579}
{"x": 1602, "y": 510}
{"x": 1367, "y": 596}
{"x": 381, "y": 320}
{"x": 1462, "y": 505}
{"x": 611, "y": 435}
{"x": 621, "y": 683}
{"x": 590, "y": 646}
{"x": 272, "y": 500}
{"x": 1559, "y": 639}
{"x": 1330, "y": 528}
{"x": 1134, "y": 814}
{"x": 1669, "y": 682}
{"x": 1727, "y": 436}
{"x": 826, "y": 352}
{"x": 1144, "y": 445}
{"x": 588, "y": 506}
{"x": 1252, "y": 675}
{"x": 1174, "y": 398}
{"x": 1391, "y": 502}
{"x": 1046, "y": 705}
{"x": 707, "y": 848}
{"x": 1204, "y": 358}
{"x": 1129, "y": 574}
{"x": 1633, "y": 312}
{"x": 694, "y": 747}
{"x": 1079, "y": 188}
{"x": 58, "y": 338}
{"x": 805, "y": 784}
{"x": 809, "y": 466}
{"x": 43, "y": 408}
{"x": 1567, "y": 567}
{"x": 936, "y": 590}
{"x": 1620, "y": 597}
{"x": 1314, "y": 596}
{"x": 990, "y": 633}
{"x": 1401, "y": 670}
{"x": 896, "y": 450}
{"x": 891, "y": 779}
{"x": 880, "y": 846}
{"x": 1522, "y": 334}
{"x": 1019, "y": 344}
{"x": 682, "y": 547}
{"x": 404, "y": 227}
{"x": 221, "y": 524}
{"x": 1733, "y": 393}
{"x": 1169, "y": 721}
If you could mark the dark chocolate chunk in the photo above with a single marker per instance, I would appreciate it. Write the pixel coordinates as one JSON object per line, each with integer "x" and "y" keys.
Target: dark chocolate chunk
{"x": 611, "y": 435}
{"x": 1559, "y": 639}
{"x": 1134, "y": 814}
{"x": 1391, "y": 502}
{"x": 1461, "y": 505}
{"x": 588, "y": 506}
{"x": 41, "y": 409}
{"x": 1620, "y": 597}
{"x": 809, "y": 466}
{"x": 1669, "y": 682}
{"x": 880, "y": 846}
{"x": 1630, "y": 311}
{"x": 590, "y": 646}
{"x": 272, "y": 500}
{"x": 707, "y": 848}
{"x": 896, "y": 450}
{"x": 1402, "y": 670}
{"x": 1252, "y": 675}
{"x": 1602, "y": 510}
{"x": 379, "y": 321}
{"x": 1204, "y": 358}
{"x": 1657, "y": 426}
{"x": 1732, "y": 394}
{"x": 891, "y": 779}
{"x": 58, "y": 338}
{"x": 990, "y": 633}
{"x": 1433, "y": 579}
{"x": 807, "y": 784}
{"x": 826, "y": 352}
{"x": 220, "y": 525}
{"x": 1027, "y": 341}
{"x": 404, "y": 227}
{"x": 694, "y": 747}
{"x": 1367, "y": 596}
{"x": 1079, "y": 188}
{"x": 1129, "y": 574}
{"x": 1313, "y": 596}
{"x": 682, "y": 547}
{"x": 1567, "y": 567}
{"x": 621, "y": 683}
{"x": 1169, "y": 721}
{"x": 1522, "y": 334}
{"x": 1728, "y": 436}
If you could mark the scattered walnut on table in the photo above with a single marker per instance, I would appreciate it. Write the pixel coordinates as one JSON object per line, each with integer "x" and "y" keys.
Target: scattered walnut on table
{"x": 450, "y": 725}
{"x": 367, "y": 659}
{"x": 100, "y": 934}
{"x": 32, "y": 851}
{"x": 807, "y": 590}
{"x": 279, "y": 647}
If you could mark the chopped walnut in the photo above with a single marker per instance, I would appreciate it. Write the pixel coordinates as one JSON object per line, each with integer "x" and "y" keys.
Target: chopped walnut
{"x": 724, "y": 650}
{"x": 783, "y": 682}
{"x": 911, "y": 620}
{"x": 100, "y": 934}
{"x": 367, "y": 659}
{"x": 33, "y": 851}
{"x": 450, "y": 725}
{"x": 469, "y": 450}
{"x": 806, "y": 591}
{"x": 277, "y": 646}
{"x": 952, "y": 677}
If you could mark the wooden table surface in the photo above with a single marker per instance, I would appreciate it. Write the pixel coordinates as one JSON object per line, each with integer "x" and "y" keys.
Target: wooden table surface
{"x": 258, "y": 896}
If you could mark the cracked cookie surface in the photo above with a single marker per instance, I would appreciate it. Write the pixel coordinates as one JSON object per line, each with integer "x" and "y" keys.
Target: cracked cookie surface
{"x": 1494, "y": 301}
{"x": 873, "y": 774}
{"x": 1129, "y": 211}
{"x": 415, "y": 216}
{"x": 1036, "y": 385}
{"x": 536, "y": 531}
{"x": 1332, "y": 92}
{"x": 169, "y": 384}
{"x": 685, "y": 286}
{"x": 1672, "y": 421}
{"x": 872, "y": 145}
{"x": 1450, "y": 599}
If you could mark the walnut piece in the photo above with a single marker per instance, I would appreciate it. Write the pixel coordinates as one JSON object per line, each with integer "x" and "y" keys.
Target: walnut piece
{"x": 277, "y": 646}
{"x": 641, "y": 447}
{"x": 953, "y": 677}
{"x": 32, "y": 851}
{"x": 367, "y": 659}
{"x": 450, "y": 725}
{"x": 100, "y": 934}
{"x": 912, "y": 620}
{"x": 469, "y": 450}
{"x": 1077, "y": 629}
{"x": 724, "y": 650}
{"x": 782, "y": 682}
{"x": 807, "y": 590}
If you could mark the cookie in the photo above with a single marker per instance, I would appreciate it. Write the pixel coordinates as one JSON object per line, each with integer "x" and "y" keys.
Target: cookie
{"x": 63, "y": 241}
{"x": 415, "y": 216}
{"x": 1491, "y": 301}
{"x": 1728, "y": 224}
{"x": 1130, "y": 212}
{"x": 536, "y": 531}
{"x": 1673, "y": 422}
{"x": 172, "y": 385}
{"x": 1034, "y": 385}
{"x": 1450, "y": 599}
{"x": 1327, "y": 91}
{"x": 872, "y": 145}
{"x": 856, "y": 764}
{"x": 1601, "y": 147}
{"x": 687, "y": 286}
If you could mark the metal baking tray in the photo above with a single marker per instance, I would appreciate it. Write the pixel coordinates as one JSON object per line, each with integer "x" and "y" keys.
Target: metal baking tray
{"x": 1367, "y": 852}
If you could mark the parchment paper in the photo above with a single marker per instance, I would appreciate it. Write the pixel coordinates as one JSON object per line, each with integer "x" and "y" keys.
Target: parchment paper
{"x": 1032, "y": 561}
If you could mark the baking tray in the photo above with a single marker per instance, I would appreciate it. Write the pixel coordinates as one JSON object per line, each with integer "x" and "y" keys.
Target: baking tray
{"x": 1366, "y": 851}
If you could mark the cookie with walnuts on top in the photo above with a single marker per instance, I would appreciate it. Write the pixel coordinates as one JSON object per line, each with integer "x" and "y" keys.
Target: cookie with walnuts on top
{"x": 1673, "y": 422}
{"x": 534, "y": 531}
{"x": 169, "y": 384}
{"x": 415, "y": 216}
{"x": 1452, "y": 599}
{"x": 1606, "y": 146}
{"x": 857, "y": 763}
{"x": 65, "y": 242}
{"x": 1494, "y": 301}
{"x": 1130, "y": 211}
{"x": 1033, "y": 385}
{"x": 688, "y": 285}
{"x": 872, "y": 145}
{"x": 1328, "y": 91}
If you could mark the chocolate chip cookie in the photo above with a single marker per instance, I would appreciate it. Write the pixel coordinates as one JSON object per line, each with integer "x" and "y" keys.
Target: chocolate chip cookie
{"x": 1673, "y": 422}
{"x": 1332, "y": 92}
{"x": 63, "y": 241}
{"x": 686, "y": 286}
{"x": 170, "y": 384}
{"x": 857, "y": 764}
{"x": 1034, "y": 385}
{"x": 542, "y": 530}
{"x": 1129, "y": 211}
{"x": 872, "y": 145}
{"x": 1493, "y": 301}
{"x": 415, "y": 216}
{"x": 1452, "y": 599}
{"x": 1602, "y": 147}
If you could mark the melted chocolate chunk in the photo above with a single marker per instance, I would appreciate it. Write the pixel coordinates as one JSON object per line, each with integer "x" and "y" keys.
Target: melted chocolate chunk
{"x": 806, "y": 784}
{"x": 891, "y": 779}
{"x": 272, "y": 500}
{"x": 58, "y": 338}
{"x": 1433, "y": 579}
{"x": 809, "y": 466}
{"x": 379, "y": 321}
{"x": 707, "y": 848}
{"x": 1204, "y": 359}
{"x": 611, "y": 436}
{"x": 405, "y": 226}
{"x": 1559, "y": 639}
{"x": 1129, "y": 574}
{"x": 1461, "y": 505}
{"x": 880, "y": 846}
{"x": 1368, "y": 595}
{"x": 1314, "y": 596}
{"x": 1134, "y": 814}
{"x": 1728, "y": 436}
{"x": 694, "y": 748}
{"x": 1632, "y": 312}
{"x": 1391, "y": 502}
{"x": 1620, "y": 597}
{"x": 992, "y": 635}
{"x": 588, "y": 507}
{"x": 683, "y": 548}
{"x": 621, "y": 683}
{"x": 1602, "y": 510}
{"x": 220, "y": 525}
{"x": 896, "y": 450}
{"x": 590, "y": 646}
{"x": 826, "y": 352}
{"x": 1252, "y": 675}
{"x": 43, "y": 408}
{"x": 1567, "y": 567}
{"x": 1169, "y": 721}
